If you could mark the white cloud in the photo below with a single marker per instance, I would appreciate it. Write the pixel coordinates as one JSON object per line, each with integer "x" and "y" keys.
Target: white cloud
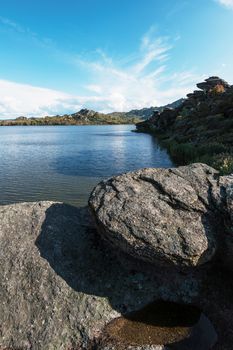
{"x": 227, "y": 3}
{"x": 20, "y": 99}
{"x": 140, "y": 80}
{"x": 94, "y": 88}
{"x": 143, "y": 80}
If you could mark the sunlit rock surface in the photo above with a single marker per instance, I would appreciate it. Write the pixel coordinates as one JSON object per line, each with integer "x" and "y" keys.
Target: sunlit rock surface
{"x": 164, "y": 216}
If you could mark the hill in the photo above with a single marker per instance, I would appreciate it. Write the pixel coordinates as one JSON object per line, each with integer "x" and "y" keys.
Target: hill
{"x": 146, "y": 113}
{"x": 201, "y": 128}
{"x": 90, "y": 117}
{"x": 83, "y": 117}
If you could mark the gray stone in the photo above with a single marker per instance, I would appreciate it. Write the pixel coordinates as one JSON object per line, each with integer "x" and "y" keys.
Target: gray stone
{"x": 164, "y": 216}
{"x": 42, "y": 308}
{"x": 59, "y": 285}
{"x": 227, "y": 248}
{"x": 229, "y": 199}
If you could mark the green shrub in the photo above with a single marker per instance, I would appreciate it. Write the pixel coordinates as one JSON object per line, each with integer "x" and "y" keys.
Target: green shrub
{"x": 182, "y": 153}
{"x": 224, "y": 163}
{"x": 217, "y": 155}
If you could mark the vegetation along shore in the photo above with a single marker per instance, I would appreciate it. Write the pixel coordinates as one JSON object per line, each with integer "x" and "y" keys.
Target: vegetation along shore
{"x": 200, "y": 129}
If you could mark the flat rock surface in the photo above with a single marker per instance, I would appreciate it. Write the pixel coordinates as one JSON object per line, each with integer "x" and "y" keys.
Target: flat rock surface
{"x": 42, "y": 301}
{"x": 164, "y": 216}
{"x": 59, "y": 285}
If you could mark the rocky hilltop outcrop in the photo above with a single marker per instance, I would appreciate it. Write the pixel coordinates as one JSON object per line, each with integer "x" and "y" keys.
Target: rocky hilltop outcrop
{"x": 201, "y": 128}
{"x": 121, "y": 283}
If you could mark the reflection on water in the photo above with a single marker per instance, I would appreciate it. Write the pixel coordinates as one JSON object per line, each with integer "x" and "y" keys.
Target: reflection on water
{"x": 64, "y": 163}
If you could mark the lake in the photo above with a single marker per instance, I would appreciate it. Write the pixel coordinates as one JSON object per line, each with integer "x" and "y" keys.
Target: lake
{"x": 64, "y": 163}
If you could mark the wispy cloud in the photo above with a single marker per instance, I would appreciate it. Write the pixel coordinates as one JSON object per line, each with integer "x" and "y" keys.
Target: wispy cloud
{"x": 11, "y": 24}
{"x": 18, "y": 29}
{"x": 140, "y": 80}
{"x": 226, "y": 3}
{"x": 144, "y": 80}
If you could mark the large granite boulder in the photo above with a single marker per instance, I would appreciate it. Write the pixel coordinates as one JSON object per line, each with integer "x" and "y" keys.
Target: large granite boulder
{"x": 164, "y": 216}
{"x": 59, "y": 285}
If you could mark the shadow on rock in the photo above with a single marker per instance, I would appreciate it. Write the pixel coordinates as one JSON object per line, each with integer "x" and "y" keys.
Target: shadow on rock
{"x": 71, "y": 245}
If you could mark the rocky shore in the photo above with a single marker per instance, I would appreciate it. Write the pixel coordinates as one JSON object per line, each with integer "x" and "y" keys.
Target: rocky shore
{"x": 147, "y": 266}
{"x": 200, "y": 129}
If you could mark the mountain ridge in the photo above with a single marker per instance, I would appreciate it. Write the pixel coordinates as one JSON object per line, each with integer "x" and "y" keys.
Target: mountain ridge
{"x": 90, "y": 117}
{"x": 147, "y": 112}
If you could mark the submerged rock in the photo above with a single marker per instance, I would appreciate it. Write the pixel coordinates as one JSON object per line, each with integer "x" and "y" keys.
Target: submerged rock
{"x": 163, "y": 216}
{"x": 169, "y": 325}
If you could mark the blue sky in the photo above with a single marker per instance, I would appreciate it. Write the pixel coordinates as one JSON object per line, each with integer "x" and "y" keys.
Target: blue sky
{"x": 108, "y": 55}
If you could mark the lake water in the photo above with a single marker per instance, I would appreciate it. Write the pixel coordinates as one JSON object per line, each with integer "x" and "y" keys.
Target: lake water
{"x": 64, "y": 163}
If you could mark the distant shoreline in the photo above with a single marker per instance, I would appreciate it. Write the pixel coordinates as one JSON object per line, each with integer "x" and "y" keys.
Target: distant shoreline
{"x": 110, "y": 124}
{"x": 83, "y": 117}
{"x": 90, "y": 117}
